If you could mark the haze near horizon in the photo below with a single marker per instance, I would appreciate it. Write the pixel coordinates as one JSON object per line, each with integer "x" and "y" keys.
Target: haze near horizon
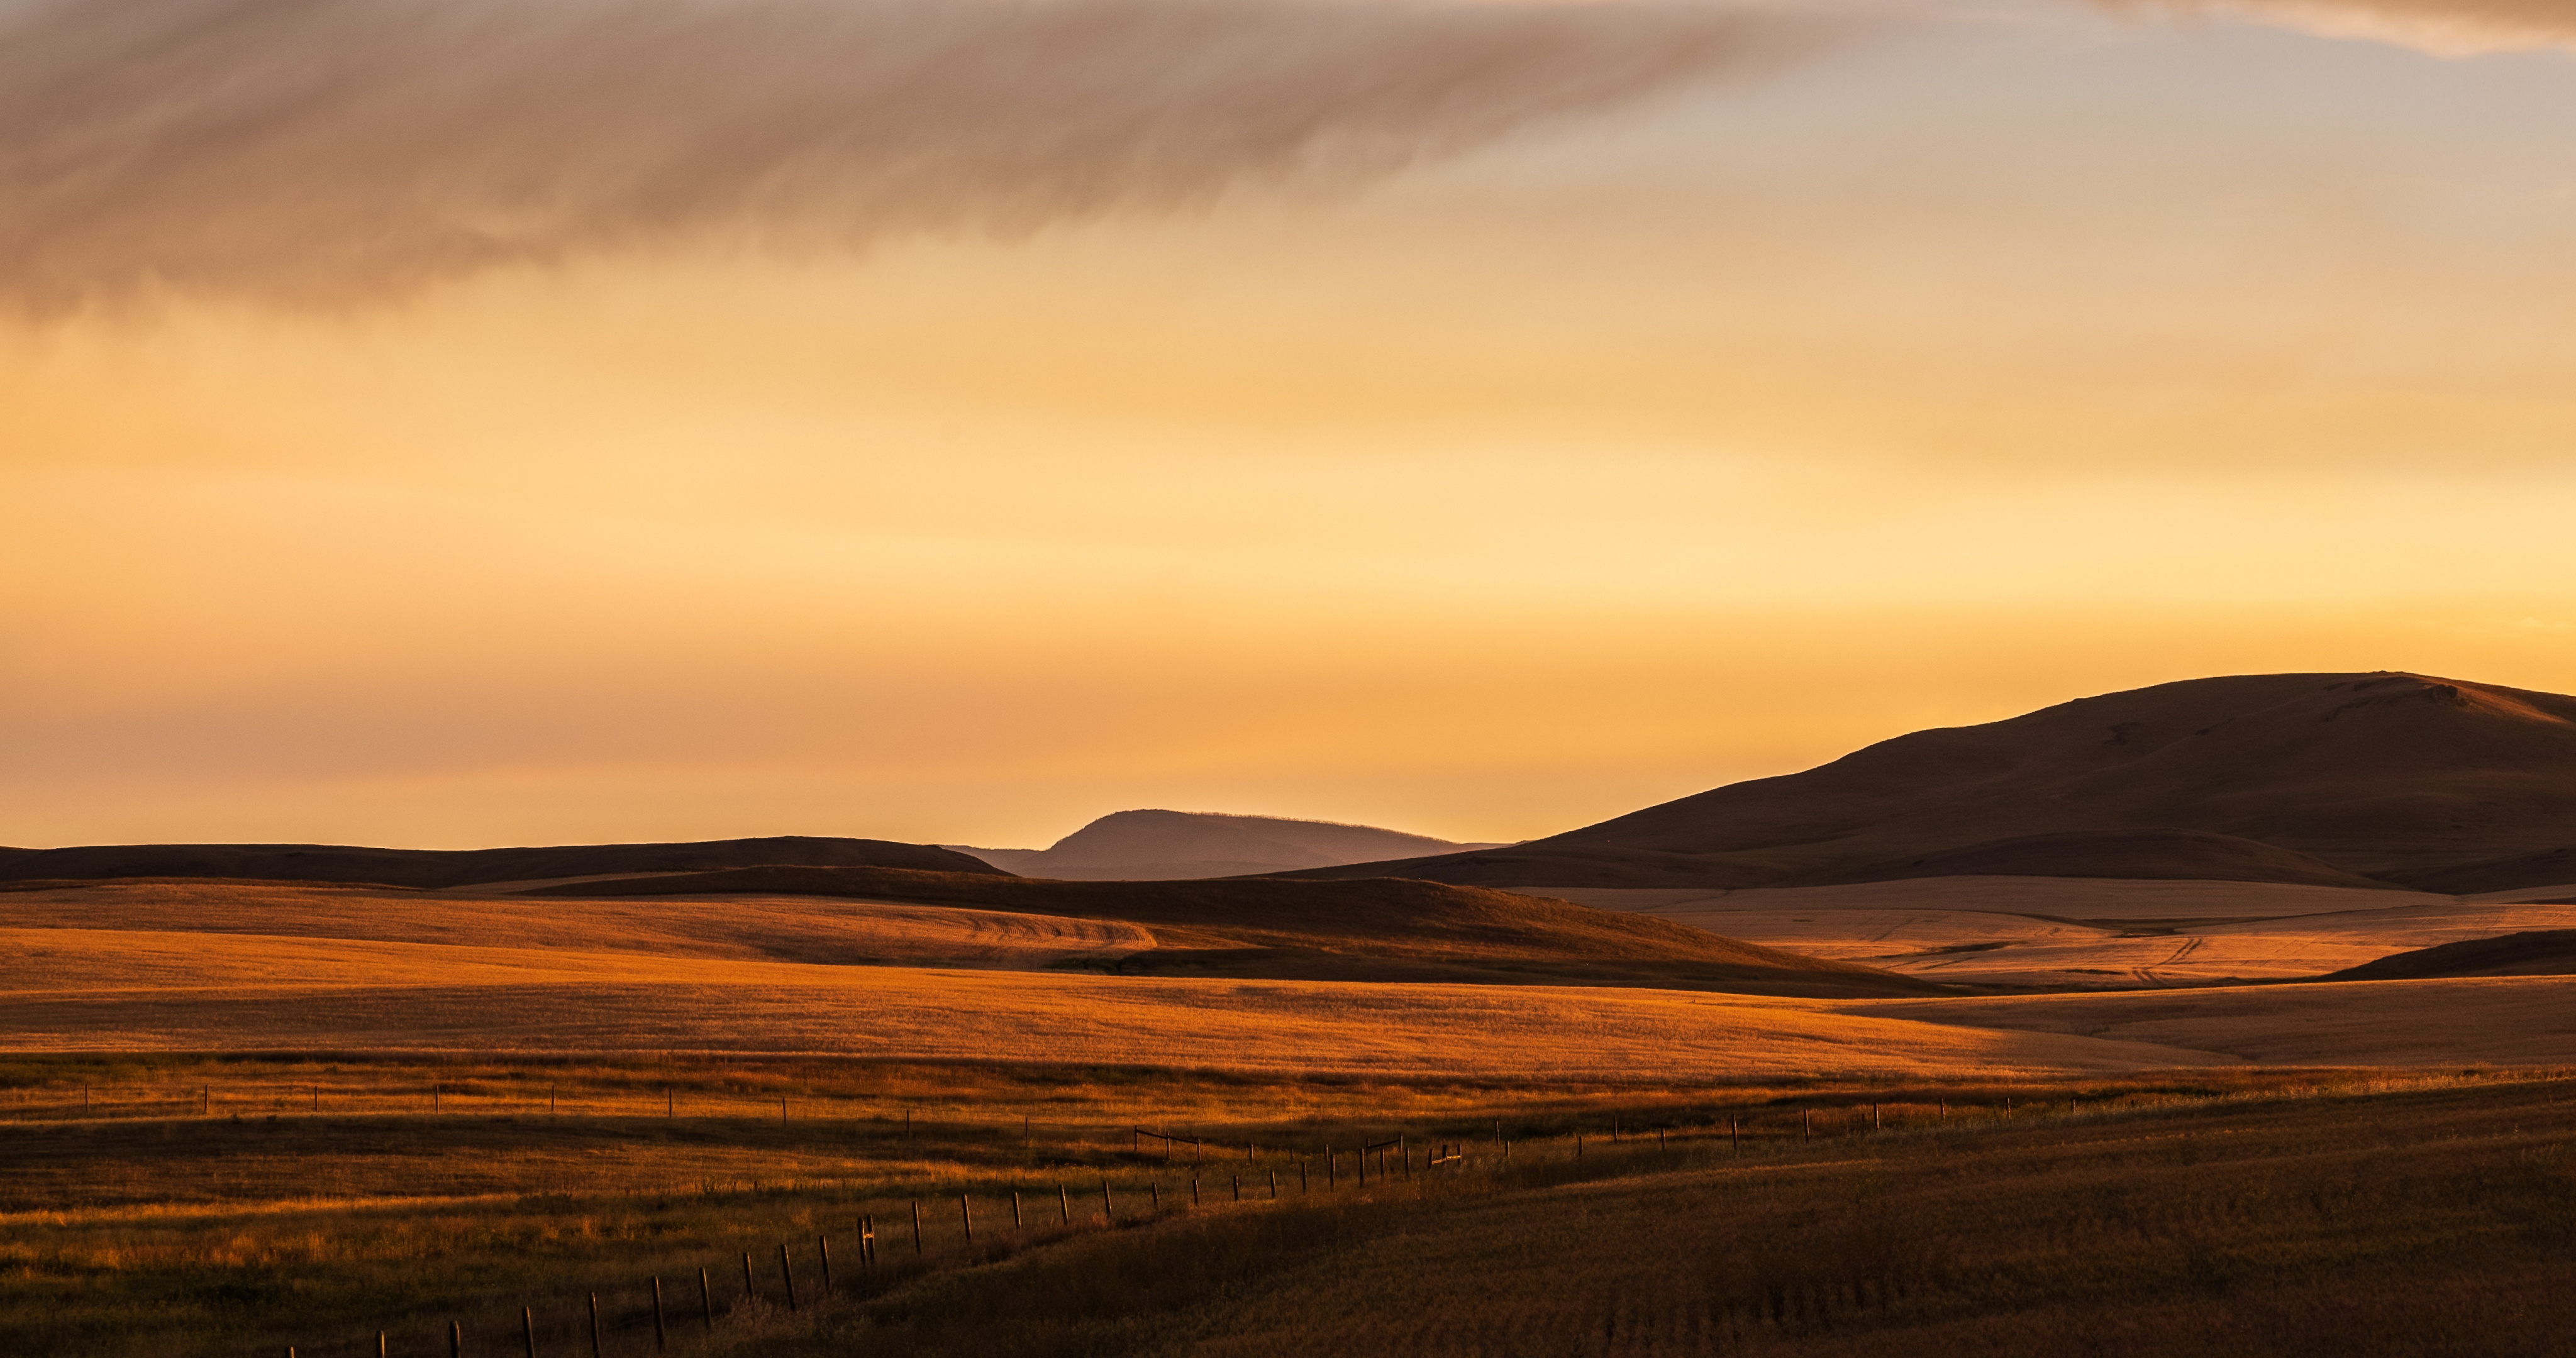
{"x": 418, "y": 427}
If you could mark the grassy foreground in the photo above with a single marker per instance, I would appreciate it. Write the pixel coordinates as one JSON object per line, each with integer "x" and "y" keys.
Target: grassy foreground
{"x": 1979, "y": 1216}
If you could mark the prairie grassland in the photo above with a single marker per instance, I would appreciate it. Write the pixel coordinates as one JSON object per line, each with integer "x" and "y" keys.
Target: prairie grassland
{"x": 146, "y": 991}
{"x": 134, "y": 990}
{"x": 149, "y": 1230}
{"x": 2437, "y": 1220}
{"x": 2073, "y": 933}
{"x": 2503, "y": 1020}
{"x": 739, "y": 928}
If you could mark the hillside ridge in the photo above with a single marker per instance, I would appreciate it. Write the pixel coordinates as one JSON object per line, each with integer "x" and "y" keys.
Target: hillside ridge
{"x": 443, "y": 868}
{"x": 2397, "y": 778}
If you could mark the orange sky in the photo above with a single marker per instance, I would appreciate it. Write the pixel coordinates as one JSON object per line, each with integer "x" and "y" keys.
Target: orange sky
{"x": 1544, "y": 457}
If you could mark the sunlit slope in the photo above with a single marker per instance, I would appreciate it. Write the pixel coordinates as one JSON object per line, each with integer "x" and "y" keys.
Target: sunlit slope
{"x": 2315, "y": 778}
{"x": 2065, "y": 933}
{"x": 1374, "y": 930}
{"x": 742, "y": 928}
{"x": 460, "y": 867}
{"x": 132, "y": 990}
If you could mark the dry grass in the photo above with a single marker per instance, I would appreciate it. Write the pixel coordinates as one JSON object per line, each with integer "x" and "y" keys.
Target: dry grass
{"x": 112, "y": 990}
{"x": 781, "y": 929}
{"x": 2428, "y": 1221}
{"x": 261, "y": 1226}
{"x": 2080, "y": 933}
{"x": 2506, "y": 1021}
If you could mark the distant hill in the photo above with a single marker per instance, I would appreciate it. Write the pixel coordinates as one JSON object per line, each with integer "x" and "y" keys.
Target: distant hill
{"x": 1376, "y": 930}
{"x": 1164, "y": 845}
{"x": 2542, "y": 952}
{"x": 437, "y": 868}
{"x": 2395, "y": 778}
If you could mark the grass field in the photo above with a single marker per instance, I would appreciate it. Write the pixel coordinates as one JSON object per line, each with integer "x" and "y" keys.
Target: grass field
{"x": 145, "y": 1227}
{"x": 2075, "y": 933}
{"x": 237, "y": 1119}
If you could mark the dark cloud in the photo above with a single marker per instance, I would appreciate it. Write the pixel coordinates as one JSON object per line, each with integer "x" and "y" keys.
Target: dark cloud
{"x": 326, "y": 151}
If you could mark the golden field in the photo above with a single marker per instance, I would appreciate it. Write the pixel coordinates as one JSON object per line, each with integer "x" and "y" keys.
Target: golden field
{"x": 242, "y": 1116}
{"x": 2072, "y": 933}
{"x": 220, "y": 967}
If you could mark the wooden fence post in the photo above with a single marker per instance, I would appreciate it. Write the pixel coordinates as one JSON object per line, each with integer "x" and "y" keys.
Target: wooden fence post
{"x": 1015, "y": 1210}
{"x": 1108, "y": 1213}
{"x": 749, "y": 1290}
{"x": 1154, "y": 1196}
{"x": 661, "y": 1340}
{"x": 455, "y": 1340}
{"x": 594, "y": 1325}
{"x": 867, "y": 1242}
{"x": 1063, "y": 1204}
{"x": 788, "y": 1272}
{"x": 1734, "y": 1137}
{"x": 706, "y": 1300}
{"x": 966, "y": 1214}
{"x": 528, "y": 1329}
{"x": 823, "y": 1248}
{"x": 1194, "y": 1190}
{"x": 1302, "y": 1186}
{"x": 1274, "y": 1185}
{"x": 1238, "y": 1188}
{"x": 380, "y": 1344}
{"x": 916, "y": 1227}
{"x": 1873, "y": 1117}
{"x": 1806, "y": 1124}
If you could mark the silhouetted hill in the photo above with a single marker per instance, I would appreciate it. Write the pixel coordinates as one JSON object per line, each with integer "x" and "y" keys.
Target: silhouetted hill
{"x": 1375, "y": 930}
{"x": 2543, "y": 952}
{"x": 2394, "y": 777}
{"x": 1143, "y": 845}
{"x": 435, "y": 868}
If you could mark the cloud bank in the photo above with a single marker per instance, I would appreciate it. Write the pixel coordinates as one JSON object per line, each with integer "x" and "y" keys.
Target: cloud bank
{"x": 322, "y": 152}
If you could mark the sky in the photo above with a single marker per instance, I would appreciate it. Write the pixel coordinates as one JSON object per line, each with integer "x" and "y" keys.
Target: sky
{"x": 541, "y": 421}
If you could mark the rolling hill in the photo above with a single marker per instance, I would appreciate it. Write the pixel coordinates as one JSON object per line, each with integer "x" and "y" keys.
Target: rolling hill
{"x": 441, "y": 868}
{"x": 2400, "y": 779}
{"x": 1376, "y": 930}
{"x": 1151, "y": 845}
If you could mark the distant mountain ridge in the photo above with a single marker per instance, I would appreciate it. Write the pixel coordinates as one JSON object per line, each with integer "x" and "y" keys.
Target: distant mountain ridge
{"x": 2388, "y": 778}
{"x": 440, "y": 868}
{"x": 1157, "y": 845}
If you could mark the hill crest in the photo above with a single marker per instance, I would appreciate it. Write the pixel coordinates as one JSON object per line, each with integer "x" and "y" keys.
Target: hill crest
{"x": 2393, "y": 777}
{"x": 443, "y": 868}
{"x": 1167, "y": 845}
